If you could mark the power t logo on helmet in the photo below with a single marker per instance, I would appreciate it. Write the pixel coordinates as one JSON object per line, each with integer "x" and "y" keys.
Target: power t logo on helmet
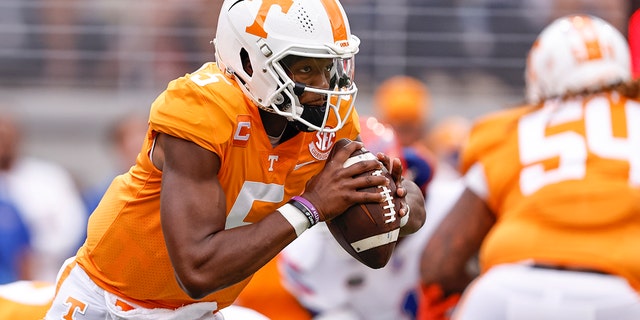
{"x": 574, "y": 54}
{"x": 257, "y": 42}
{"x": 257, "y": 28}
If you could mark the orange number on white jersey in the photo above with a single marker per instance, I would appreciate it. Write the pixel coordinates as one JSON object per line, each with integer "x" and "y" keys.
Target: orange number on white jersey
{"x": 570, "y": 147}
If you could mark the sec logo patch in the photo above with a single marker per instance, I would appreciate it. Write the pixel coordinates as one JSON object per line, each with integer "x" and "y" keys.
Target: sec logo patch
{"x": 322, "y": 144}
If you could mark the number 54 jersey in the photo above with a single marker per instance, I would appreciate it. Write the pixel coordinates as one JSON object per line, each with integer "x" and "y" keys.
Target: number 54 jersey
{"x": 563, "y": 180}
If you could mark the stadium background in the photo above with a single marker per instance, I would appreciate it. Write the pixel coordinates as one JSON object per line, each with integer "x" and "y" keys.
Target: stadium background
{"x": 68, "y": 68}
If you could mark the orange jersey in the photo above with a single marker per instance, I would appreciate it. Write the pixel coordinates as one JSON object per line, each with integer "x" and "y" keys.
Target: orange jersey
{"x": 125, "y": 251}
{"x": 564, "y": 182}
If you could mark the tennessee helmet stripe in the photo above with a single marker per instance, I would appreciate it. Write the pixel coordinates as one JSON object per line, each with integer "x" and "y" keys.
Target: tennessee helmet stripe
{"x": 337, "y": 21}
{"x": 584, "y": 26}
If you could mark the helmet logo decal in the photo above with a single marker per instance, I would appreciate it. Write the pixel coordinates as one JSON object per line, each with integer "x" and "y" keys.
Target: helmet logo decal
{"x": 337, "y": 21}
{"x": 321, "y": 144}
{"x": 257, "y": 28}
{"x": 586, "y": 30}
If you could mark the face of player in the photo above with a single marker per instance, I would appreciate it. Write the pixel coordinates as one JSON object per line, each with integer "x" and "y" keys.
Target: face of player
{"x": 314, "y": 73}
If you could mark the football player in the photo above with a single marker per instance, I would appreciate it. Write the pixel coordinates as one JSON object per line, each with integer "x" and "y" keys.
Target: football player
{"x": 232, "y": 169}
{"x": 552, "y": 198}
{"x": 404, "y": 103}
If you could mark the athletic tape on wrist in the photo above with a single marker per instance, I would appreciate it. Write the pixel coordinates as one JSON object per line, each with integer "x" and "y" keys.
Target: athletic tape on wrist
{"x": 295, "y": 217}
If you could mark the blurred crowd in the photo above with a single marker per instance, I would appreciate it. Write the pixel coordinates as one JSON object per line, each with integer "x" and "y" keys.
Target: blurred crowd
{"x": 44, "y": 210}
{"x": 115, "y": 44}
{"x": 104, "y": 43}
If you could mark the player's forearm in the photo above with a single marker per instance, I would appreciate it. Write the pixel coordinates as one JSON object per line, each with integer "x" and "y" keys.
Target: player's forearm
{"x": 230, "y": 256}
{"x": 455, "y": 241}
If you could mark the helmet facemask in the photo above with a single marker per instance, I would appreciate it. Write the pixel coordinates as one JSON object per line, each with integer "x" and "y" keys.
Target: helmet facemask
{"x": 329, "y": 91}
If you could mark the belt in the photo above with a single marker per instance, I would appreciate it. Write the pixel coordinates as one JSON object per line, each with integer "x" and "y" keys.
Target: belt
{"x": 567, "y": 268}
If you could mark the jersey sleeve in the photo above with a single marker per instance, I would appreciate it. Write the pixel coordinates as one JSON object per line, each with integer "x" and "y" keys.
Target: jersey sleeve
{"x": 195, "y": 113}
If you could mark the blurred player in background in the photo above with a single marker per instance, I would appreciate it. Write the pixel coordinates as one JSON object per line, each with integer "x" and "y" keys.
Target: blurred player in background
{"x": 333, "y": 285}
{"x": 15, "y": 244}
{"x": 15, "y": 238}
{"x": 232, "y": 169}
{"x": 404, "y": 103}
{"x": 445, "y": 139}
{"x": 46, "y": 196}
{"x": 552, "y": 197}
{"x": 266, "y": 294}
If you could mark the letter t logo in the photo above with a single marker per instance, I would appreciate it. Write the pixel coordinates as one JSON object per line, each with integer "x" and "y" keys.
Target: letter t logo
{"x": 257, "y": 28}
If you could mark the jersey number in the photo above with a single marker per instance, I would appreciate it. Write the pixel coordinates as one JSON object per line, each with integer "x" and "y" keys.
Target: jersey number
{"x": 571, "y": 148}
{"x": 250, "y": 192}
{"x": 202, "y": 78}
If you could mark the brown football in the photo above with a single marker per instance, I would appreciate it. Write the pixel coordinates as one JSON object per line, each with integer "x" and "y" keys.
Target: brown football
{"x": 369, "y": 231}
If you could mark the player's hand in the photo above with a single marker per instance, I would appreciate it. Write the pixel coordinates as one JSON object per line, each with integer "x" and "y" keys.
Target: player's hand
{"x": 335, "y": 189}
{"x": 394, "y": 166}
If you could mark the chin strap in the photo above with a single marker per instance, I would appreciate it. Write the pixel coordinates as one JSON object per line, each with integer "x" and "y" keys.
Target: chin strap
{"x": 314, "y": 115}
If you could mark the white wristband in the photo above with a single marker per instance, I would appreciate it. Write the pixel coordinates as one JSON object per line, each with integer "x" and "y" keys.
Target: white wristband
{"x": 295, "y": 217}
{"x": 405, "y": 218}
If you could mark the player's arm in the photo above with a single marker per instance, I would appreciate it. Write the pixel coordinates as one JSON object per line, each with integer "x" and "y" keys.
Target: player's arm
{"x": 205, "y": 256}
{"x": 444, "y": 259}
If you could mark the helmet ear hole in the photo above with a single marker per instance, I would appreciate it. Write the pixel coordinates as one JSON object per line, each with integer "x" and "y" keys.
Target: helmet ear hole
{"x": 246, "y": 62}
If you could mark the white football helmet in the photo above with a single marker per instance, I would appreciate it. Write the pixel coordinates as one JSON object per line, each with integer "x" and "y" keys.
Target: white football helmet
{"x": 265, "y": 32}
{"x": 575, "y": 53}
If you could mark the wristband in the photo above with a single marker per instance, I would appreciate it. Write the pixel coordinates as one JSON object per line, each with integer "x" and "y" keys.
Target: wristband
{"x": 296, "y": 218}
{"x": 307, "y": 208}
{"x": 304, "y": 210}
{"x": 405, "y": 218}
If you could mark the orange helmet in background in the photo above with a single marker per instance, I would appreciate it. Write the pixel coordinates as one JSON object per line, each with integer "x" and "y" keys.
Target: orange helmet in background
{"x": 402, "y": 99}
{"x": 447, "y": 138}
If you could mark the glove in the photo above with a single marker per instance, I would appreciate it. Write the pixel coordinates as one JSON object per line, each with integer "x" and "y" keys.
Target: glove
{"x": 433, "y": 305}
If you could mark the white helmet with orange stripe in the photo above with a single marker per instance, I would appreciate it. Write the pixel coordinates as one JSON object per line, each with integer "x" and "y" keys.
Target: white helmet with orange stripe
{"x": 254, "y": 36}
{"x": 573, "y": 54}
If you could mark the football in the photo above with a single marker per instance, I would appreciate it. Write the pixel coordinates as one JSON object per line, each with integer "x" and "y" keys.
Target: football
{"x": 369, "y": 231}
